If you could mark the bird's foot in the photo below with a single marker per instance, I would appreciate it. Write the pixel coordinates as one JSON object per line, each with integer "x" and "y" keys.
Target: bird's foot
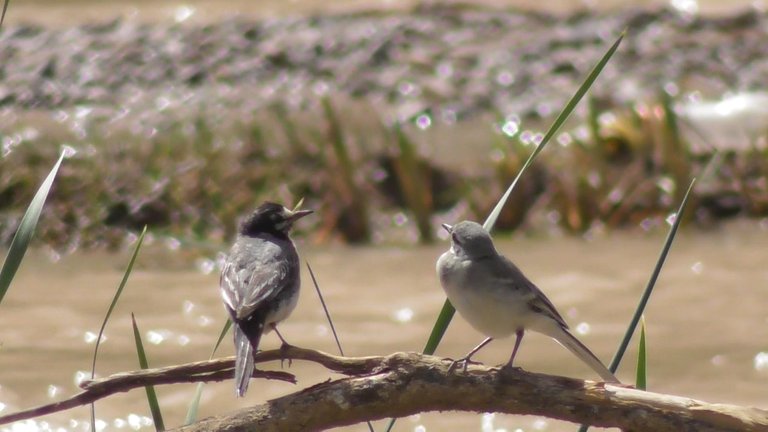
{"x": 465, "y": 360}
{"x": 507, "y": 367}
{"x": 284, "y": 354}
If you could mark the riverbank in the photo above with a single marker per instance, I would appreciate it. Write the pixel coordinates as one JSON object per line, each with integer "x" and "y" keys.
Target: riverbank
{"x": 186, "y": 126}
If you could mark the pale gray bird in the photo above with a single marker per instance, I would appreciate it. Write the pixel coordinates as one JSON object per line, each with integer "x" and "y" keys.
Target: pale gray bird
{"x": 496, "y": 298}
{"x": 260, "y": 282}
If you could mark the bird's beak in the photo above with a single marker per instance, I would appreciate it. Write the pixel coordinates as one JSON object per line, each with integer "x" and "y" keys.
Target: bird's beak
{"x": 297, "y": 214}
{"x": 447, "y": 227}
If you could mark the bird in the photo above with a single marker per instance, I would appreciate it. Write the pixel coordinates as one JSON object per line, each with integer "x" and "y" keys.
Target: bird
{"x": 260, "y": 282}
{"x": 498, "y": 300}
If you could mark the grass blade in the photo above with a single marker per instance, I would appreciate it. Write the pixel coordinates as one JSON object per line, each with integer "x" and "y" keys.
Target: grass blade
{"x": 154, "y": 406}
{"x": 325, "y": 308}
{"x": 26, "y": 229}
{"x": 641, "y": 381}
{"x": 446, "y": 314}
{"x": 5, "y": 8}
{"x": 109, "y": 313}
{"x": 195, "y": 404}
{"x": 649, "y": 288}
{"x": 330, "y": 321}
{"x": 652, "y": 282}
{"x": 561, "y": 118}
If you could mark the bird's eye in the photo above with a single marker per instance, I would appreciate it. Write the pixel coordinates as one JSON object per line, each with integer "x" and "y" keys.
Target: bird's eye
{"x": 455, "y": 238}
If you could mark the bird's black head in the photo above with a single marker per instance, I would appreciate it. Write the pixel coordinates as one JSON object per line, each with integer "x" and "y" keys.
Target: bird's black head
{"x": 271, "y": 218}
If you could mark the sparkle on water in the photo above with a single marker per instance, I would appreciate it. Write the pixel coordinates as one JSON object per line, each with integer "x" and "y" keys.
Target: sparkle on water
{"x": 582, "y": 328}
{"x": 205, "y": 265}
{"x": 406, "y": 88}
{"x": 526, "y": 137}
{"x": 582, "y": 133}
{"x": 183, "y": 340}
{"x": 90, "y": 337}
{"x": 81, "y": 376}
{"x": 156, "y": 337}
{"x": 53, "y": 391}
{"x": 204, "y": 321}
{"x": 761, "y": 362}
{"x": 697, "y": 267}
{"x": 423, "y": 121}
{"x": 666, "y": 184}
{"x": 187, "y": 306}
{"x": 540, "y": 424}
{"x": 100, "y": 425}
{"x": 510, "y": 128}
{"x": 321, "y": 330}
{"x": 487, "y": 423}
{"x": 403, "y": 315}
{"x": 183, "y": 13}
{"x": 172, "y": 243}
{"x": 68, "y": 151}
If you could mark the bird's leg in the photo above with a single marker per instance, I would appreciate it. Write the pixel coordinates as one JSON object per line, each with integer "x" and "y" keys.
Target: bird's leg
{"x": 519, "y": 333}
{"x": 467, "y": 358}
{"x": 283, "y": 347}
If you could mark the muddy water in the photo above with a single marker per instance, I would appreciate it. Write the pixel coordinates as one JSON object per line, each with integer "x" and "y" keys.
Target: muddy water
{"x": 707, "y": 321}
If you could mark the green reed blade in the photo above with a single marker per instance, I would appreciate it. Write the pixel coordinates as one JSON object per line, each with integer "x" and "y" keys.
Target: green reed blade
{"x": 195, "y": 404}
{"x": 649, "y": 288}
{"x": 26, "y": 230}
{"x": 561, "y": 118}
{"x": 641, "y": 380}
{"x": 154, "y": 405}
{"x": 652, "y": 282}
{"x": 109, "y": 313}
{"x": 5, "y": 8}
{"x": 447, "y": 312}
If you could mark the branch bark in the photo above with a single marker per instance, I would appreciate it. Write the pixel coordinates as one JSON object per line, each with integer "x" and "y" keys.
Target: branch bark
{"x": 203, "y": 371}
{"x": 408, "y": 383}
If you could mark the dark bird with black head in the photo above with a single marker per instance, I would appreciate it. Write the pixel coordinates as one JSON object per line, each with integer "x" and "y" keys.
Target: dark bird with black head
{"x": 260, "y": 282}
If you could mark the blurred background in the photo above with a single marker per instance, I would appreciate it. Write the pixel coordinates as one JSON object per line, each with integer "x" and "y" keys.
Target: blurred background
{"x": 388, "y": 118}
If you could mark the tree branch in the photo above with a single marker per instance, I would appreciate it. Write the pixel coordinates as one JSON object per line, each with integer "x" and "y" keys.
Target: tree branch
{"x": 203, "y": 371}
{"x": 407, "y": 383}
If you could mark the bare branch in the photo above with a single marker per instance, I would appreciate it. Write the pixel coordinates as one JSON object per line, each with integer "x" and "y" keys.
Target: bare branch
{"x": 210, "y": 370}
{"x": 411, "y": 383}
{"x": 407, "y": 383}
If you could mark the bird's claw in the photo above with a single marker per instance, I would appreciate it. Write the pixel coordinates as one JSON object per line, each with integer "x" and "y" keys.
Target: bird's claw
{"x": 466, "y": 360}
{"x": 283, "y": 355}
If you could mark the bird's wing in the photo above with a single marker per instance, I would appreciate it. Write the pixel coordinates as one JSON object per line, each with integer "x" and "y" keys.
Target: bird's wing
{"x": 246, "y": 285}
{"x": 513, "y": 277}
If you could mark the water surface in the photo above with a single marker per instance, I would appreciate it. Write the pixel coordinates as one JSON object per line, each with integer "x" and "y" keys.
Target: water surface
{"x": 707, "y": 321}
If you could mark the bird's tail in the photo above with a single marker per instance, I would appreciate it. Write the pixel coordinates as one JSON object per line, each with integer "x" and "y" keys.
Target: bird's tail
{"x": 245, "y": 347}
{"x": 566, "y": 339}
